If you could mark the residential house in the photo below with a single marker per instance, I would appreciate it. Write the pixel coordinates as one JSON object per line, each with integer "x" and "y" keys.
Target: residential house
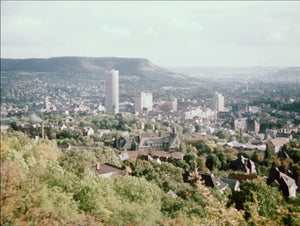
{"x": 211, "y": 180}
{"x": 103, "y": 131}
{"x": 276, "y": 143}
{"x": 169, "y": 143}
{"x": 240, "y": 123}
{"x": 253, "y": 126}
{"x": 126, "y": 143}
{"x": 244, "y": 164}
{"x": 146, "y": 143}
{"x": 236, "y": 145}
{"x": 233, "y": 184}
{"x": 286, "y": 184}
{"x": 242, "y": 146}
{"x": 88, "y": 131}
{"x": 123, "y": 156}
{"x": 107, "y": 170}
{"x": 258, "y": 139}
{"x": 63, "y": 127}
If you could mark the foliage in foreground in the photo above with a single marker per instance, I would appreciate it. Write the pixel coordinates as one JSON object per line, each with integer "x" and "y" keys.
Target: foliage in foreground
{"x": 42, "y": 185}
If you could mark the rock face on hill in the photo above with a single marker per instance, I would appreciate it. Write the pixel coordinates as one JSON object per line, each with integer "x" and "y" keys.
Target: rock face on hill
{"x": 126, "y": 66}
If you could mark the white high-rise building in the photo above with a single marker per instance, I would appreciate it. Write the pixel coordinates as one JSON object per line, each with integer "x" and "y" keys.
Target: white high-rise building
{"x": 219, "y": 102}
{"x": 143, "y": 102}
{"x": 112, "y": 91}
{"x": 47, "y": 103}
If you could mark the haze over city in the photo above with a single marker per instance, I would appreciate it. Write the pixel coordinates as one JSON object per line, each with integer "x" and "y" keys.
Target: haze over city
{"x": 168, "y": 33}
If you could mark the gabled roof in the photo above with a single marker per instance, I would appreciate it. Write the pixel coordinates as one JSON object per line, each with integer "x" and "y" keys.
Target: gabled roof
{"x": 177, "y": 155}
{"x": 172, "y": 194}
{"x": 134, "y": 154}
{"x": 125, "y": 142}
{"x": 160, "y": 141}
{"x": 286, "y": 184}
{"x": 145, "y": 142}
{"x": 244, "y": 163}
{"x": 212, "y": 181}
{"x": 124, "y": 156}
{"x": 288, "y": 180}
{"x": 104, "y": 168}
{"x": 233, "y": 184}
{"x": 235, "y": 144}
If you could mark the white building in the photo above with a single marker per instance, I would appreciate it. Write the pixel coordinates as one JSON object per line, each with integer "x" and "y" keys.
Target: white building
{"x": 47, "y": 103}
{"x": 219, "y": 102}
{"x": 143, "y": 102}
{"x": 112, "y": 91}
{"x": 174, "y": 104}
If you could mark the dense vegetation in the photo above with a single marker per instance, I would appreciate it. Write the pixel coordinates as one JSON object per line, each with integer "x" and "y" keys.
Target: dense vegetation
{"x": 43, "y": 185}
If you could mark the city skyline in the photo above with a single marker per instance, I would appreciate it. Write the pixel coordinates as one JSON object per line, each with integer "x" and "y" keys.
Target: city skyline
{"x": 167, "y": 33}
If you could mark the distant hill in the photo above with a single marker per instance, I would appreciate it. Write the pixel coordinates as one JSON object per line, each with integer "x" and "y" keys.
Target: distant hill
{"x": 226, "y": 72}
{"x": 290, "y": 73}
{"x": 127, "y": 66}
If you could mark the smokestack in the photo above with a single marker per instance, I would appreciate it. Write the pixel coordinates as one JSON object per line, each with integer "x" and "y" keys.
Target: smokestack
{"x": 97, "y": 166}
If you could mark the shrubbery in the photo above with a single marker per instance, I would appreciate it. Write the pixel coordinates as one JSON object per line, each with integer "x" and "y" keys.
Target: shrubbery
{"x": 43, "y": 185}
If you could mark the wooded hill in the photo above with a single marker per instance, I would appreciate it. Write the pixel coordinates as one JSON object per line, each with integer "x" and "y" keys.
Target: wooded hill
{"x": 126, "y": 66}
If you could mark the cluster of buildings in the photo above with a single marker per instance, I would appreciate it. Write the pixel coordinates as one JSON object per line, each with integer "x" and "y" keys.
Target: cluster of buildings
{"x": 285, "y": 183}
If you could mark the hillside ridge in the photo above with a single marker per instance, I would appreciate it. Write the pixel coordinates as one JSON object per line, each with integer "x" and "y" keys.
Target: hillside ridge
{"x": 75, "y": 64}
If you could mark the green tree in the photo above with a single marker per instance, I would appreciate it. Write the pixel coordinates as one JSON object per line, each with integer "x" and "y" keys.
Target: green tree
{"x": 14, "y": 126}
{"x": 223, "y": 134}
{"x": 241, "y": 136}
{"x": 255, "y": 157}
{"x": 266, "y": 135}
{"x": 212, "y": 162}
{"x": 133, "y": 145}
{"x": 197, "y": 128}
{"x": 267, "y": 152}
{"x": 257, "y": 192}
{"x": 201, "y": 164}
{"x": 190, "y": 159}
{"x": 222, "y": 160}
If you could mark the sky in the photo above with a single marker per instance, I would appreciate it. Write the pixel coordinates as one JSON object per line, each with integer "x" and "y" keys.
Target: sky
{"x": 180, "y": 33}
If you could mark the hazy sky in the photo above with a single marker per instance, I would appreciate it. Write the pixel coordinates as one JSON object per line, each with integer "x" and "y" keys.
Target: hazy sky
{"x": 168, "y": 33}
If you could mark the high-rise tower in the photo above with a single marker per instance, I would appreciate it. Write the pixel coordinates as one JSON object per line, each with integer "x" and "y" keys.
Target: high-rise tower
{"x": 218, "y": 102}
{"x": 143, "y": 102}
{"x": 112, "y": 91}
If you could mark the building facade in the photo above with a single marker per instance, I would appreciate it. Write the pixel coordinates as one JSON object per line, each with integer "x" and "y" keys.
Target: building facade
{"x": 112, "y": 91}
{"x": 219, "y": 102}
{"x": 143, "y": 102}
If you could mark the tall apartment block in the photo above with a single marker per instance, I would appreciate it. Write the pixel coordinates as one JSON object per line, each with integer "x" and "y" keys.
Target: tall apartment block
{"x": 218, "y": 102}
{"x": 112, "y": 91}
{"x": 143, "y": 102}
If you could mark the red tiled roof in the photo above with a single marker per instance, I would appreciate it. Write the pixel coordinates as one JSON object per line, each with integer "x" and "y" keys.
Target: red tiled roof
{"x": 177, "y": 155}
{"x": 106, "y": 168}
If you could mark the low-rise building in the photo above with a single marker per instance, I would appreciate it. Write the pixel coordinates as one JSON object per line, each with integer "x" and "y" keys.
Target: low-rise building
{"x": 286, "y": 184}
{"x": 276, "y": 143}
{"x": 244, "y": 164}
{"x": 107, "y": 170}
